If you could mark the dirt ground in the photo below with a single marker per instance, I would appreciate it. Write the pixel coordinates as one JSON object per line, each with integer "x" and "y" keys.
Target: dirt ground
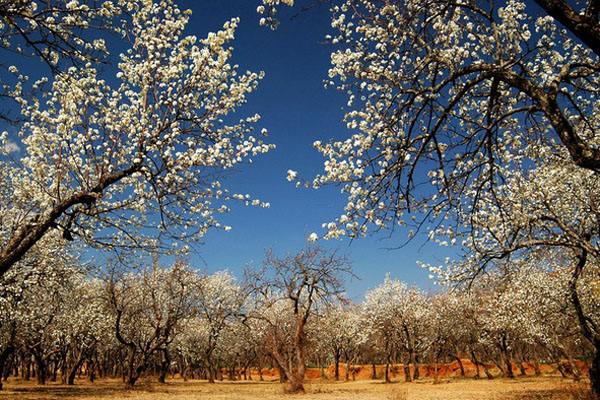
{"x": 525, "y": 388}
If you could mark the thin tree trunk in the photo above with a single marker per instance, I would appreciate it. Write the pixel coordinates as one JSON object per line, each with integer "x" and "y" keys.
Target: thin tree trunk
{"x": 373, "y": 371}
{"x": 387, "y": 371}
{"x": 595, "y": 371}
{"x": 416, "y": 372}
{"x": 460, "y": 365}
{"x": 406, "y": 367}
{"x": 337, "y": 364}
{"x": 476, "y": 362}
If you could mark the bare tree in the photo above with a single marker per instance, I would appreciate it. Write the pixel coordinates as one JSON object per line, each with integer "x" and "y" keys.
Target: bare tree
{"x": 297, "y": 285}
{"x": 148, "y": 310}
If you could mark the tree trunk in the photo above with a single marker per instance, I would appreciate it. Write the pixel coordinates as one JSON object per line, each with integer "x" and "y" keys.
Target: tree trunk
{"x": 73, "y": 371}
{"x": 505, "y": 356}
{"x": 595, "y": 371}
{"x": 536, "y": 368}
{"x": 387, "y": 371}
{"x": 3, "y": 358}
{"x": 165, "y": 363}
{"x": 522, "y": 369}
{"x": 406, "y": 367}
{"x": 509, "y": 371}
{"x": 41, "y": 373}
{"x": 295, "y": 384}
{"x": 476, "y": 363}
{"x": 416, "y": 372}
{"x": 211, "y": 373}
{"x": 337, "y": 364}
{"x": 373, "y": 371}
{"x": 282, "y": 377}
{"x": 91, "y": 371}
{"x": 561, "y": 369}
{"x": 347, "y": 377}
{"x": 589, "y": 332}
{"x": 460, "y": 365}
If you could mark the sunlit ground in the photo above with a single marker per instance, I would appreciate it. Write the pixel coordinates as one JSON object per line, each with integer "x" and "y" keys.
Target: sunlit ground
{"x": 551, "y": 388}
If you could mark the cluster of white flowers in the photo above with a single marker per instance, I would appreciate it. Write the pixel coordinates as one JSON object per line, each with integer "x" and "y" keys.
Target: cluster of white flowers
{"x": 268, "y": 11}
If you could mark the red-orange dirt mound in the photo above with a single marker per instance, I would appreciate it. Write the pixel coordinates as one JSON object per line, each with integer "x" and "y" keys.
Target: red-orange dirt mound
{"x": 449, "y": 370}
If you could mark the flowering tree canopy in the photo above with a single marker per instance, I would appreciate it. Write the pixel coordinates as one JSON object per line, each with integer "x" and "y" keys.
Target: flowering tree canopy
{"x": 134, "y": 161}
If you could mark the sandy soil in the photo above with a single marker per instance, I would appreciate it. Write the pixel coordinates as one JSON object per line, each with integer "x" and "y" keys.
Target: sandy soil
{"x": 544, "y": 388}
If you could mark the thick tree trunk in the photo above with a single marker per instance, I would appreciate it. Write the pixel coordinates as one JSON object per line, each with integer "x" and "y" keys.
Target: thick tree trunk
{"x": 41, "y": 373}
{"x": 295, "y": 384}
{"x": 3, "y": 358}
{"x": 73, "y": 371}
{"x": 211, "y": 370}
{"x": 165, "y": 363}
{"x": 282, "y": 376}
{"x": 135, "y": 374}
{"x": 506, "y": 358}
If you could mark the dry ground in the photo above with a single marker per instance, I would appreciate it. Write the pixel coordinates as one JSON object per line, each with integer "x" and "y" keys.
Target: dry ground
{"x": 545, "y": 388}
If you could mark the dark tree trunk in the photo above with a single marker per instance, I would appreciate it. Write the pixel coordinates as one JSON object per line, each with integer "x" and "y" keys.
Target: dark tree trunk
{"x": 3, "y": 358}
{"x": 476, "y": 363}
{"x": 41, "y": 373}
{"x": 282, "y": 377}
{"x": 295, "y": 384}
{"x": 211, "y": 370}
{"x": 416, "y": 372}
{"x": 522, "y": 368}
{"x": 337, "y": 364}
{"x": 73, "y": 372}
{"x": 561, "y": 369}
{"x": 387, "y": 371}
{"x": 373, "y": 371}
{"x": 406, "y": 367}
{"x": 536, "y": 368}
{"x": 460, "y": 365}
{"x": 165, "y": 363}
{"x": 509, "y": 370}
{"x": 595, "y": 372}
{"x": 347, "y": 374}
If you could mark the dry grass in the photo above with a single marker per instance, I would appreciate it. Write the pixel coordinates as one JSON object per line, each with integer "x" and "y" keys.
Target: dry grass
{"x": 547, "y": 388}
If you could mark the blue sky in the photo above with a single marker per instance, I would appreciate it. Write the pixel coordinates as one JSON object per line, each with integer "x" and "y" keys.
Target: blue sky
{"x": 297, "y": 110}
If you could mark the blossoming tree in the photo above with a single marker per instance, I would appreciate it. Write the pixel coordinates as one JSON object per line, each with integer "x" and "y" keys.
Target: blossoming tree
{"x": 133, "y": 161}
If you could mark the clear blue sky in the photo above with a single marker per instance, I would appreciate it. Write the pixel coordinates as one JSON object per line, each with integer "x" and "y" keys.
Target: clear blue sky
{"x": 297, "y": 110}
